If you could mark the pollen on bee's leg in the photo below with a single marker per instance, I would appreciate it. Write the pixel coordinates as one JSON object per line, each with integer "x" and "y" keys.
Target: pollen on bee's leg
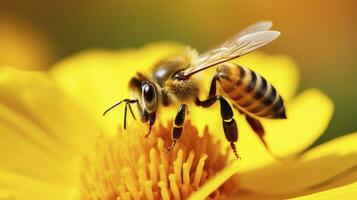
{"x": 128, "y": 166}
{"x": 173, "y": 144}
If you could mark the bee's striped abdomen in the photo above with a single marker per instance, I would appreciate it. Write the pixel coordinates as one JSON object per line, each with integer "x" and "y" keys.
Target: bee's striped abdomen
{"x": 250, "y": 91}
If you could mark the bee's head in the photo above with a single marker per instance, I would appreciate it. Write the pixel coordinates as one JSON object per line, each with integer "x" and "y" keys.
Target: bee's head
{"x": 146, "y": 93}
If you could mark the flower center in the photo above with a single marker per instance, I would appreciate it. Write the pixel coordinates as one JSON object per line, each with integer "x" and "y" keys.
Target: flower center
{"x": 130, "y": 166}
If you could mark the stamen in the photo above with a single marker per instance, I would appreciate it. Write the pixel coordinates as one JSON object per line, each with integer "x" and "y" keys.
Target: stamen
{"x": 164, "y": 193}
{"x": 198, "y": 173}
{"x": 153, "y": 166}
{"x": 148, "y": 190}
{"x": 130, "y": 182}
{"x": 186, "y": 174}
{"x": 163, "y": 156}
{"x": 174, "y": 187}
{"x": 178, "y": 166}
{"x": 130, "y": 166}
{"x": 163, "y": 175}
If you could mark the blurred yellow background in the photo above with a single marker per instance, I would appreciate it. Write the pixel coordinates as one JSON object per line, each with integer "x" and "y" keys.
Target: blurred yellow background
{"x": 319, "y": 35}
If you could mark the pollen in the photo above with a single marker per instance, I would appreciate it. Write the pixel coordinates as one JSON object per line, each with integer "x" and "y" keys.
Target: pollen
{"x": 130, "y": 166}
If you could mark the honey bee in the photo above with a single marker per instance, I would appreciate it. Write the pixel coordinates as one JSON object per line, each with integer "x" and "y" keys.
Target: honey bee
{"x": 172, "y": 82}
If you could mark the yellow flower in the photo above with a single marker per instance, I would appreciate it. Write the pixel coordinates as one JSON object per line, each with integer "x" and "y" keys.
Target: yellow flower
{"x": 56, "y": 145}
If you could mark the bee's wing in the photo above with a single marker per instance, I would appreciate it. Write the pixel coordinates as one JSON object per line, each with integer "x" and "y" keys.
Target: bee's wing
{"x": 257, "y": 27}
{"x": 254, "y": 28}
{"x": 233, "y": 48}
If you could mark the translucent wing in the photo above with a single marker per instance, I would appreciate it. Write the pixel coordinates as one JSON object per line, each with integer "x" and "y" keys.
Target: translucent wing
{"x": 253, "y": 37}
{"x": 257, "y": 27}
{"x": 254, "y": 28}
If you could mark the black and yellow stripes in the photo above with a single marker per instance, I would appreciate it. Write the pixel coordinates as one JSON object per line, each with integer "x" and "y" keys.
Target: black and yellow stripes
{"x": 250, "y": 91}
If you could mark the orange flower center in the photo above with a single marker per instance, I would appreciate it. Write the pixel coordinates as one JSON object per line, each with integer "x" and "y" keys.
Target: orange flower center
{"x": 130, "y": 166}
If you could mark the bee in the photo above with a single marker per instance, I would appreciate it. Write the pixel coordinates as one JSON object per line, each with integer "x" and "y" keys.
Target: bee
{"x": 173, "y": 82}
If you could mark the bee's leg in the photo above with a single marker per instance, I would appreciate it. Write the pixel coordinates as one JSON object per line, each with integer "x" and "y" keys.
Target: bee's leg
{"x": 178, "y": 125}
{"x": 125, "y": 111}
{"x": 229, "y": 124}
{"x": 131, "y": 111}
{"x": 127, "y": 104}
{"x": 239, "y": 110}
{"x": 117, "y": 104}
{"x": 259, "y": 130}
{"x": 213, "y": 87}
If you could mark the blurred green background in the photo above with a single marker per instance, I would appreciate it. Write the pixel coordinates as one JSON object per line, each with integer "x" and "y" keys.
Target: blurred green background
{"x": 320, "y": 35}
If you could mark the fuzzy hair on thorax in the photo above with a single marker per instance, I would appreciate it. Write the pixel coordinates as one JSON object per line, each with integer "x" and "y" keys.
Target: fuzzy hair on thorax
{"x": 170, "y": 91}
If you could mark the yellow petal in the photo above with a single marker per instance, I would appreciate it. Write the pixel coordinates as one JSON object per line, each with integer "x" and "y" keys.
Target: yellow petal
{"x": 41, "y": 130}
{"x": 36, "y": 97}
{"x": 97, "y": 79}
{"x": 247, "y": 195}
{"x": 23, "y": 155}
{"x": 345, "y": 192}
{"x": 308, "y": 115}
{"x": 14, "y": 186}
{"x": 215, "y": 182}
{"x": 331, "y": 164}
{"x": 280, "y": 70}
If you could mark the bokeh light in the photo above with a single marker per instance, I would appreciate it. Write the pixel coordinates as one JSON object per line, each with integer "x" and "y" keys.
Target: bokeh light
{"x": 24, "y": 45}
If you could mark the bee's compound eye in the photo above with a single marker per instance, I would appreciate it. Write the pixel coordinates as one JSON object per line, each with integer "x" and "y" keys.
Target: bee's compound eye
{"x": 149, "y": 97}
{"x": 149, "y": 92}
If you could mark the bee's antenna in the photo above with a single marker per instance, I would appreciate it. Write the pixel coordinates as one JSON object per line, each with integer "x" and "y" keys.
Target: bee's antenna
{"x": 127, "y": 104}
{"x": 115, "y": 105}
